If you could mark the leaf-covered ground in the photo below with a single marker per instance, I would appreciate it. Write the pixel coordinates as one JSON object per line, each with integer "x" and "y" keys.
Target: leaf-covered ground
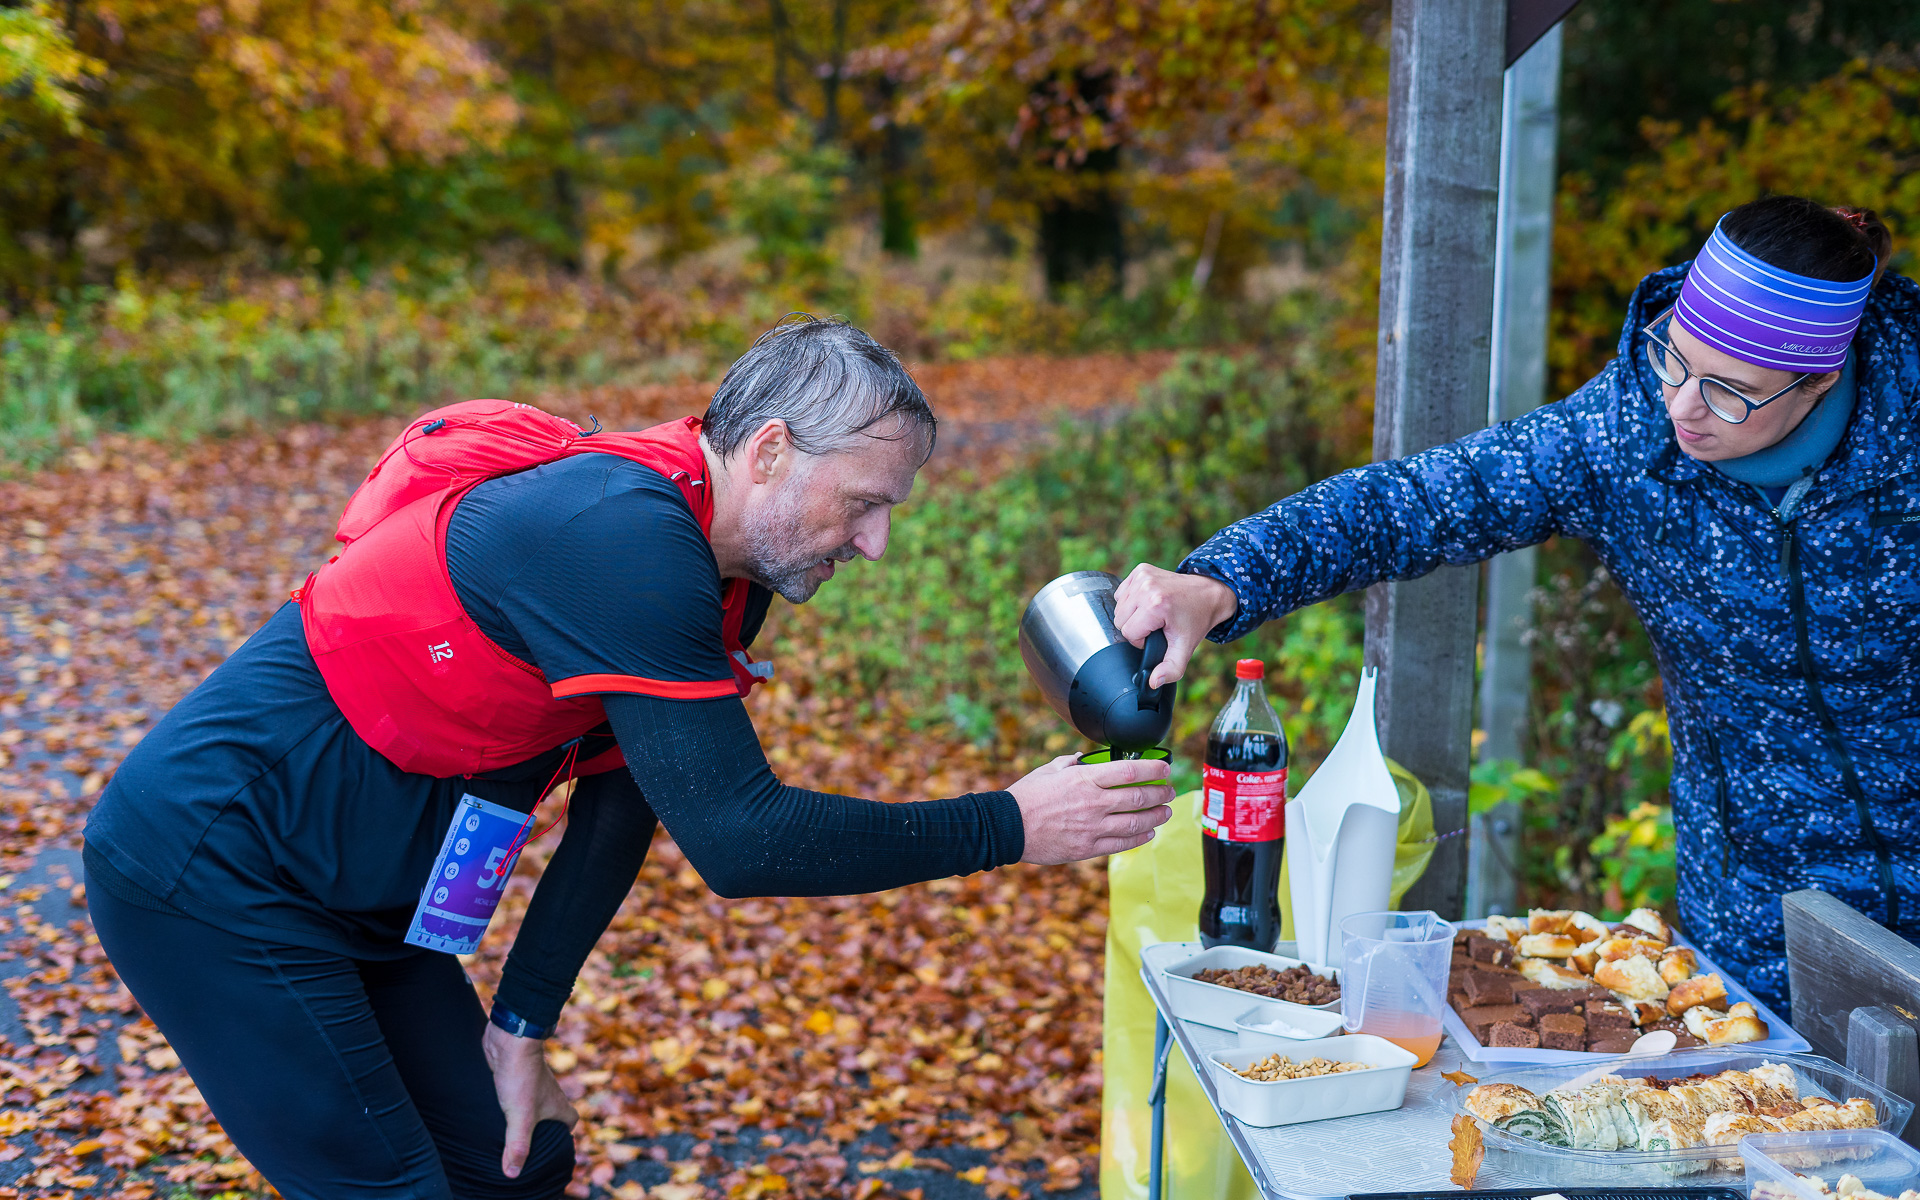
{"x": 940, "y": 1040}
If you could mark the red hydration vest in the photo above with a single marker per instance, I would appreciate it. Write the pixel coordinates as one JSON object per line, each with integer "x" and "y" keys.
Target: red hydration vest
{"x": 415, "y": 677}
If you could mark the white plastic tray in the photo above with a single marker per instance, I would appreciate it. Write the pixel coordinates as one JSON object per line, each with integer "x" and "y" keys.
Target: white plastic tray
{"x": 1781, "y": 1040}
{"x": 1324, "y": 1097}
{"x": 1222, "y": 1007}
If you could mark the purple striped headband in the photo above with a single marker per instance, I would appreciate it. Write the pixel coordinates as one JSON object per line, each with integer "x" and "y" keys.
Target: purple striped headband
{"x": 1763, "y": 315}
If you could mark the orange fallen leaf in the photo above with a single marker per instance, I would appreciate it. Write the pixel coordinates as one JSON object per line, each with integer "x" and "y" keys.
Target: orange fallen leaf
{"x": 1468, "y": 1152}
{"x": 1459, "y": 1077}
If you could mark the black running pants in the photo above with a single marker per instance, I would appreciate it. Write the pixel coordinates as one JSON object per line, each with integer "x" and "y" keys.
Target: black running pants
{"x": 336, "y": 1077}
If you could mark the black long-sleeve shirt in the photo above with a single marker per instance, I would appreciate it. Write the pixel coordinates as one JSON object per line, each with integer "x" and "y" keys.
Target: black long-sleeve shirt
{"x": 697, "y": 766}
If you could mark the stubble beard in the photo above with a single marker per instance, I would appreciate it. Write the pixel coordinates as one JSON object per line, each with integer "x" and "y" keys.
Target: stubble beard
{"x": 774, "y": 560}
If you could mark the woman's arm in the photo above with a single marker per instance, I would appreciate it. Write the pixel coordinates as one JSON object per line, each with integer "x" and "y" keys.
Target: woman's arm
{"x": 1512, "y": 485}
{"x": 1498, "y": 489}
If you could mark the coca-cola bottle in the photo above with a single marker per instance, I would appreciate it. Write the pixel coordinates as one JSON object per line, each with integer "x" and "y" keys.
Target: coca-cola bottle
{"x": 1243, "y": 817}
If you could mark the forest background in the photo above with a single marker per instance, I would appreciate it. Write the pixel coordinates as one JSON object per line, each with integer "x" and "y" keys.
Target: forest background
{"x": 219, "y": 215}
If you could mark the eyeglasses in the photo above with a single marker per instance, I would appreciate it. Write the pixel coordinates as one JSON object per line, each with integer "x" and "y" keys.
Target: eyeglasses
{"x": 1728, "y": 402}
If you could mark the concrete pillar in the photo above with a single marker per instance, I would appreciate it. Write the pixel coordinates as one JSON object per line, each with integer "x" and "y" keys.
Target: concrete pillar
{"x": 1530, "y": 120}
{"x": 1436, "y": 317}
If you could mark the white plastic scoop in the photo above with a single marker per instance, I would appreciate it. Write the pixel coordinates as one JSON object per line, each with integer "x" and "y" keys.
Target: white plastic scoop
{"x": 1647, "y": 1045}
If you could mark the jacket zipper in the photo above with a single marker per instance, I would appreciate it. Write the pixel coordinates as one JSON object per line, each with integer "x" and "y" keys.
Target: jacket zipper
{"x": 1720, "y": 800}
{"x": 1798, "y": 590}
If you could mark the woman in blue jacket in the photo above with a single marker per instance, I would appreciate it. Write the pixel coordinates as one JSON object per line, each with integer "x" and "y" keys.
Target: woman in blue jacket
{"x": 1748, "y": 470}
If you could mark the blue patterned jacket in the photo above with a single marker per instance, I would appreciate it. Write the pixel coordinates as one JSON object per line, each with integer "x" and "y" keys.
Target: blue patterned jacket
{"x": 1788, "y": 642}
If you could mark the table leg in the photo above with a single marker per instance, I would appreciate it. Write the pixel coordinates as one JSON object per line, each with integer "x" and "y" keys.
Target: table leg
{"x": 1157, "y": 1099}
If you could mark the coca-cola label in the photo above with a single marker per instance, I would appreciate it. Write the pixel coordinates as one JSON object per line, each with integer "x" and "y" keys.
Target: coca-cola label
{"x": 1244, "y": 806}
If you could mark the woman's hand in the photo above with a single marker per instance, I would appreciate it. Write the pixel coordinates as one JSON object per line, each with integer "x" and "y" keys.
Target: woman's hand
{"x": 527, "y": 1090}
{"x": 1186, "y": 606}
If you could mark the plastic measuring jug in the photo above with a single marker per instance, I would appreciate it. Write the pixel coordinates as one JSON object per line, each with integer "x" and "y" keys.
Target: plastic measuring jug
{"x": 1393, "y": 977}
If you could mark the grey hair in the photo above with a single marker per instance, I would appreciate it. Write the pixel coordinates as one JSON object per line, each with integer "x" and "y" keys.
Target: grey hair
{"x": 827, "y": 380}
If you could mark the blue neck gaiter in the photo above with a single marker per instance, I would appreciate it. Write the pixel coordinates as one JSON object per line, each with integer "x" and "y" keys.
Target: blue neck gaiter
{"x": 1810, "y": 444}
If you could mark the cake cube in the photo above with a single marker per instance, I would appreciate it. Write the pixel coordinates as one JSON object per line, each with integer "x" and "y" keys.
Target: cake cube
{"x": 1480, "y": 1021}
{"x": 1506, "y": 1033}
{"x": 1563, "y": 1031}
{"x": 1486, "y": 950}
{"x": 1484, "y": 987}
{"x": 1541, "y": 1001}
{"x": 1608, "y": 1017}
{"x": 1612, "y": 1043}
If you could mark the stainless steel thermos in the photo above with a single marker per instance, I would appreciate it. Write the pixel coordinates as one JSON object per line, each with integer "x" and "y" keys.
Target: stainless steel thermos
{"x": 1094, "y": 678}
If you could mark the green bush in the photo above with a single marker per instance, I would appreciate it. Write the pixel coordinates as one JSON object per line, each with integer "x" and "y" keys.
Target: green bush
{"x": 183, "y": 364}
{"x": 934, "y": 623}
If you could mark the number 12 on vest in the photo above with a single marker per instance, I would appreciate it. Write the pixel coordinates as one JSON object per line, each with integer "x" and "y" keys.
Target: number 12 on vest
{"x": 467, "y": 878}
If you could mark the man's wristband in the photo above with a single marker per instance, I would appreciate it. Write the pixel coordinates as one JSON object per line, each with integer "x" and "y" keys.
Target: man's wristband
{"x": 516, "y": 1024}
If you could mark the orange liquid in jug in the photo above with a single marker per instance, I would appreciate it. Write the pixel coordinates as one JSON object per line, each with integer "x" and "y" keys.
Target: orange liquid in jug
{"x": 1417, "y": 1036}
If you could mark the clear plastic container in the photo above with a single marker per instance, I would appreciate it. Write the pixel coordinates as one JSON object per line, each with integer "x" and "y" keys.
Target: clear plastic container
{"x": 1526, "y": 1161}
{"x": 1878, "y": 1159}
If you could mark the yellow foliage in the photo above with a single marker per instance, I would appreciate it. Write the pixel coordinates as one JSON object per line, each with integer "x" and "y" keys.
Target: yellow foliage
{"x": 1848, "y": 140}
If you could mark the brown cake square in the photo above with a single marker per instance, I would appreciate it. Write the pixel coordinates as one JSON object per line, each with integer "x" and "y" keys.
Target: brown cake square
{"x": 1608, "y": 1016}
{"x": 1480, "y": 1021}
{"x": 1612, "y": 1043}
{"x": 1506, "y": 1033}
{"x": 1485, "y": 949}
{"x": 1458, "y": 1002}
{"x": 1563, "y": 1031}
{"x": 1541, "y": 1001}
{"x": 1484, "y": 987}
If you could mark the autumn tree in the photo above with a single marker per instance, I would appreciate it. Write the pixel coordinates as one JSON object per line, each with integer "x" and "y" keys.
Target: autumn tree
{"x": 1213, "y": 111}
{"x": 162, "y": 127}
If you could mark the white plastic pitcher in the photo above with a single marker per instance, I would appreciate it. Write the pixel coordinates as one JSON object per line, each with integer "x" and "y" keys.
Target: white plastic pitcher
{"x": 1393, "y": 977}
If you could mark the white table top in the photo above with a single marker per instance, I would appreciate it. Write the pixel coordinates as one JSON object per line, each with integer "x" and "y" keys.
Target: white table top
{"x": 1399, "y": 1151}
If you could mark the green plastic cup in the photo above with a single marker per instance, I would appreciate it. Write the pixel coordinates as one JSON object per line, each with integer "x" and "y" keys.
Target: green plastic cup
{"x": 1094, "y": 758}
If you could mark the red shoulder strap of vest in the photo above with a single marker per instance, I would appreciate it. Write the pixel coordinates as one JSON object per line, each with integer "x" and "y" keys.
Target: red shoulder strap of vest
{"x": 476, "y": 440}
{"x": 673, "y": 449}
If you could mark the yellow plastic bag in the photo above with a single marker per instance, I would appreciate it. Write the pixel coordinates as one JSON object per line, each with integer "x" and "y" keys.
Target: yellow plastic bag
{"x": 1154, "y": 896}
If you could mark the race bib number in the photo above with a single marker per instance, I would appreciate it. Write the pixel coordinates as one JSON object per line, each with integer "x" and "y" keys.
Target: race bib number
{"x": 468, "y": 877}
{"x": 1244, "y": 806}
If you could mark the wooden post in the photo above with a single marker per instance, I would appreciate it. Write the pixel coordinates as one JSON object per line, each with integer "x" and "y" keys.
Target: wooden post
{"x": 1529, "y": 125}
{"x": 1436, "y": 316}
{"x": 1839, "y": 962}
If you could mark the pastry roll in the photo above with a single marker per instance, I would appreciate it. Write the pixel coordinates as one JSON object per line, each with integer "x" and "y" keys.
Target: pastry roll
{"x": 1614, "y": 949}
{"x": 1700, "y": 991}
{"x": 1549, "y": 920}
{"x": 1547, "y": 945}
{"x": 1585, "y": 927}
{"x": 1677, "y": 964}
{"x": 1651, "y": 921}
{"x": 1631, "y": 978}
{"x": 1494, "y": 1102}
{"x": 1511, "y": 929}
{"x": 1542, "y": 973}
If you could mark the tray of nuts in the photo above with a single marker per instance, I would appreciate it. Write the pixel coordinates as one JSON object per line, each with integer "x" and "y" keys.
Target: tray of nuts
{"x": 1311, "y": 1081}
{"x": 1216, "y": 987}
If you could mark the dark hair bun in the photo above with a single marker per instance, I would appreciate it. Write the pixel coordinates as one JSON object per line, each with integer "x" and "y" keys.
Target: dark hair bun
{"x": 1879, "y": 237}
{"x": 1798, "y": 235}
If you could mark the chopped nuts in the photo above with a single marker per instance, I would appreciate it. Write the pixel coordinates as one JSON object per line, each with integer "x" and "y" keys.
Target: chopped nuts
{"x": 1295, "y": 984}
{"x": 1276, "y": 1067}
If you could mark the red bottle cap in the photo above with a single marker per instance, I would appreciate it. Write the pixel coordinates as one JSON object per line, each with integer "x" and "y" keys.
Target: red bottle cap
{"x": 1249, "y": 668}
